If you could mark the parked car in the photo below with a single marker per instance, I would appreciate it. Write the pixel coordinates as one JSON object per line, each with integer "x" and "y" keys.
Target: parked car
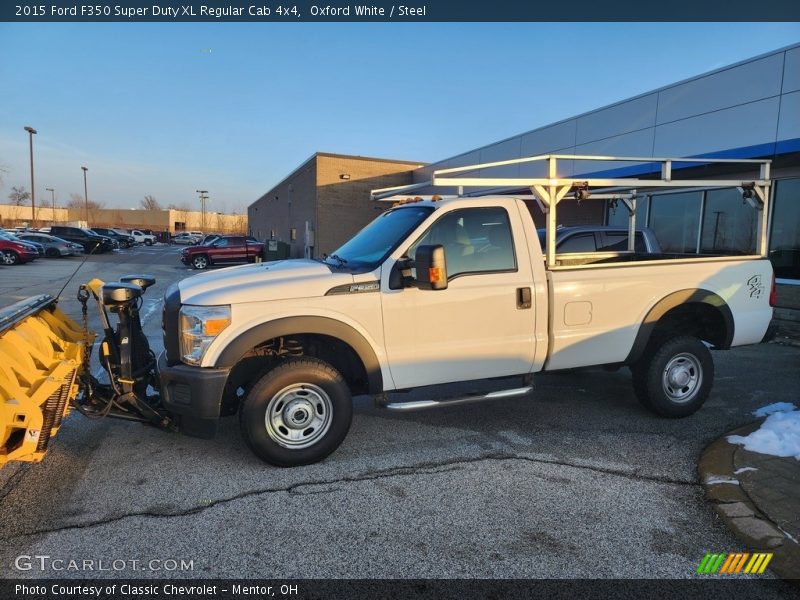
{"x": 224, "y": 250}
{"x": 90, "y": 241}
{"x": 13, "y": 252}
{"x": 143, "y": 238}
{"x": 10, "y": 236}
{"x": 186, "y": 238}
{"x": 53, "y": 247}
{"x": 601, "y": 238}
{"x": 123, "y": 239}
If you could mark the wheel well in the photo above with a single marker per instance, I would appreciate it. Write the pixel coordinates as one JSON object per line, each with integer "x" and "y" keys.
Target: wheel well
{"x": 696, "y": 312}
{"x": 254, "y": 363}
{"x": 697, "y": 319}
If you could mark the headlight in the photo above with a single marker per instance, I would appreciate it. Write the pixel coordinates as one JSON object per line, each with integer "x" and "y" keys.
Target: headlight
{"x": 199, "y": 325}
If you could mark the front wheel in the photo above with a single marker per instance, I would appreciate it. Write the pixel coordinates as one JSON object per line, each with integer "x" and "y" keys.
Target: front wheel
{"x": 297, "y": 414}
{"x": 200, "y": 262}
{"x": 674, "y": 378}
{"x": 148, "y": 242}
{"x": 10, "y": 257}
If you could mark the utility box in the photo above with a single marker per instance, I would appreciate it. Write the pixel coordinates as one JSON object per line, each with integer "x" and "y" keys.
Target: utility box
{"x": 275, "y": 250}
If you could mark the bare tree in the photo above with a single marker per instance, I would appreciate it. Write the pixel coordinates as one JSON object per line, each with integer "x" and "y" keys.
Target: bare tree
{"x": 19, "y": 195}
{"x": 78, "y": 201}
{"x": 184, "y": 206}
{"x": 3, "y": 171}
{"x": 150, "y": 203}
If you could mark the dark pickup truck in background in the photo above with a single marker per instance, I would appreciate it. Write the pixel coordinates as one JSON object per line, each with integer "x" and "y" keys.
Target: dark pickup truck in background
{"x": 225, "y": 249}
{"x": 90, "y": 241}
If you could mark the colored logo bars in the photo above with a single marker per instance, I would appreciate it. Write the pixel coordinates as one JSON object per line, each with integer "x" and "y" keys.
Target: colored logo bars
{"x": 734, "y": 563}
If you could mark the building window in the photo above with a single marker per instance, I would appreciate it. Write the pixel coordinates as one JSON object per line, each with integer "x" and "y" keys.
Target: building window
{"x": 784, "y": 244}
{"x": 729, "y": 224}
{"x": 675, "y": 219}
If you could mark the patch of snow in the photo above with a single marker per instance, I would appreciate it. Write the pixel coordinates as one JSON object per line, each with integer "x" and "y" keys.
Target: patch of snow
{"x": 779, "y": 435}
{"x": 773, "y": 408}
{"x": 744, "y": 469}
{"x": 715, "y": 479}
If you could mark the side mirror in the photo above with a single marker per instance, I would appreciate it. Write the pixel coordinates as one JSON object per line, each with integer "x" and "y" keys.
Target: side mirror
{"x": 431, "y": 268}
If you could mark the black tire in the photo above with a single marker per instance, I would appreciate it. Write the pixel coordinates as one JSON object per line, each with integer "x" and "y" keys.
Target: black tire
{"x": 200, "y": 261}
{"x": 148, "y": 242}
{"x": 52, "y": 253}
{"x": 304, "y": 391}
{"x": 674, "y": 377}
{"x": 9, "y": 257}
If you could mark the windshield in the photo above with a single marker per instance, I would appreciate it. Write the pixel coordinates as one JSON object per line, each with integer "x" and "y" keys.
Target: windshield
{"x": 376, "y": 241}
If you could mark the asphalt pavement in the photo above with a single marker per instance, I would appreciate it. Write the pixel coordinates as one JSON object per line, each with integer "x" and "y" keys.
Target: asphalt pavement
{"x": 575, "y": 480}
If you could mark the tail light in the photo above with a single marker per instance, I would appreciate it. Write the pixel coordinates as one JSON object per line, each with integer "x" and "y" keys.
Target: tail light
{"x": 773, "y": 293}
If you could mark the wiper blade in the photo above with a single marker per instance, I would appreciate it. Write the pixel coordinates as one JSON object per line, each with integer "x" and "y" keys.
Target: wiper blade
{"x": 339, "y": 260}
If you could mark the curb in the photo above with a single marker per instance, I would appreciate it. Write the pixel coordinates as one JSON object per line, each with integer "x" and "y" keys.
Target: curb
{"x": 738, "y": 511}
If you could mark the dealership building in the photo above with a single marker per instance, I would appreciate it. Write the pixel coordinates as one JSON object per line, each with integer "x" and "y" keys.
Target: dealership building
{"x": 750, "y": 109}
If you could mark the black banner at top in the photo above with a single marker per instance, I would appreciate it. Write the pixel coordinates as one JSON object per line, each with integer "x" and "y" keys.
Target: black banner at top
{"x": 293, "y": 11}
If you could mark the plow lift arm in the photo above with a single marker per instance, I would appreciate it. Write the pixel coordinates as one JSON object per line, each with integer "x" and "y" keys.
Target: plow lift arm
{"x": 45, "y": 360}
{"x": 601, "y": 182}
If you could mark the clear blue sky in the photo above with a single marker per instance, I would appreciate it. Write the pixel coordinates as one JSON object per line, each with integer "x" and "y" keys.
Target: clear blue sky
{"x": 166, "y": 109}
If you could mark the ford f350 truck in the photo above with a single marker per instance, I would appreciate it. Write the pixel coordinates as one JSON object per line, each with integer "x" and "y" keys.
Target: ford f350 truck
{"x": 435, "y": 290}
{"x": 446, "y": 290}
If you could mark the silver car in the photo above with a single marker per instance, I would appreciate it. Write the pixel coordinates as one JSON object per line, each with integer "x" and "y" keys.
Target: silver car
{"x": 53, "y": 247}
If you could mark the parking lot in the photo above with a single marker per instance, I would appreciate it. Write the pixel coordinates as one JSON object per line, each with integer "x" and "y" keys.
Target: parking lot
{"x": 575, "y": 480}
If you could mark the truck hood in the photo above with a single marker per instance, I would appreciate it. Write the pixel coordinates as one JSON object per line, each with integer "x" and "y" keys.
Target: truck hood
{"x": 285, "y": 279}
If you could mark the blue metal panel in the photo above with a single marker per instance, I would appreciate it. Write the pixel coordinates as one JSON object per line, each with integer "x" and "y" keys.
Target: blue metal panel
{"x": 740, "y": 84}
{"x": 556, "y": 138}
{"x": 748, "y": 125}
{"x": 632, "y": 115}
{"x": 791, "y": 71}
{"x": 789, "y": 122}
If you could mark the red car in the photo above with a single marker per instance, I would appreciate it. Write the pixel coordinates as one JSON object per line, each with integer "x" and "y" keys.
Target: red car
{"x": 223, "y": 250}
{"x": 12, "y": 253}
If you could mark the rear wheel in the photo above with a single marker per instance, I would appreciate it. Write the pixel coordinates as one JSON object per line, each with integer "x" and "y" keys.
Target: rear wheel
{"x": 10, "y": 257}
{"x": 674, "y": 378}
{"x": 297, "y": 414}
{"x": 200, "y": 261}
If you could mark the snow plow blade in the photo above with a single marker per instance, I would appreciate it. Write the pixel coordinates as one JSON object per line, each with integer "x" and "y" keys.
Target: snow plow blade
{"x": 41, "y": 356}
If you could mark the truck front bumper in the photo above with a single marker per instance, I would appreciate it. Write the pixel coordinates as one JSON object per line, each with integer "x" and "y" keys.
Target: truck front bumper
{"x": 193, "y": 395}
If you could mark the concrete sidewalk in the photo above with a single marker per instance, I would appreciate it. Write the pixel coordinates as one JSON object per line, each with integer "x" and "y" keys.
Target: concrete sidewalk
{"x": 758, "y": 498}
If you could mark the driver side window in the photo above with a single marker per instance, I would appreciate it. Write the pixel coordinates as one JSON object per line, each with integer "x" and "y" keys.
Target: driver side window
{"x": 475, "y": 240}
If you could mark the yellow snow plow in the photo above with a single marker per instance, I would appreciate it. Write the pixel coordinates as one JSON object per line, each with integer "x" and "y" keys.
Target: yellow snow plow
{"x": 45, "y": 359}
{"x": 42, "y": 351}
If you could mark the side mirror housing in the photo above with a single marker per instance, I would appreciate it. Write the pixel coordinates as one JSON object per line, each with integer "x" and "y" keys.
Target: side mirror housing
{"x": 431, "y": 268}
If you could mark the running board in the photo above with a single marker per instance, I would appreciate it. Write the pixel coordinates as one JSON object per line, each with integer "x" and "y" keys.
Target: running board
{"x": 424, "y": 404}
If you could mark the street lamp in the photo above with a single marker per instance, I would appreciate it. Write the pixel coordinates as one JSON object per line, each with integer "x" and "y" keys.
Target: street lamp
{"x": 31, "y": 132}
{"x": 52, "y": 201}
{"x": 85, "y": 196}
{"x": 203, "y": 198}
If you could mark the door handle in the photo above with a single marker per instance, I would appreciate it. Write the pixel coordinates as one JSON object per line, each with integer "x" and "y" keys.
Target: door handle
{"x": 524, "y": 300}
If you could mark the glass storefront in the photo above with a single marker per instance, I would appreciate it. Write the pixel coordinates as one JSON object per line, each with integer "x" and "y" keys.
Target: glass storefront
{"x": 724, "y": 222}
{"x": 784, "y": 243}
{"x": 675, "y": 218}
{"x": 730, "y": 225}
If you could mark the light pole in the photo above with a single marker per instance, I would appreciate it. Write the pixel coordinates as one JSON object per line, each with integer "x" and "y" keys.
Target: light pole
{"x": 31, "y": 132}
{"x": 85, "y": 196}
{"x": 52, "y": 201}
{"x": 203, "y": 198}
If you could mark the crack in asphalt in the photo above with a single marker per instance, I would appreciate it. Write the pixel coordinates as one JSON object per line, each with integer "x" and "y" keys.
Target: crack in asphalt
{"x": 13, "y": 481}
{"x": 429, "y": 468}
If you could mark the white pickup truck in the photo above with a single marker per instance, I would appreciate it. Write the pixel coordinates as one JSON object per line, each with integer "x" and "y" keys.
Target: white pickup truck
{"x": 447, "y": 290}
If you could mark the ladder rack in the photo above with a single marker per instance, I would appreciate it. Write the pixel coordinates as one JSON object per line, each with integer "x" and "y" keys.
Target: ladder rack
{"x": 551, "y": 189}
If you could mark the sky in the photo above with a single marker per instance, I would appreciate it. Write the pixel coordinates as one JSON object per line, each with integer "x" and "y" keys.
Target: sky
{"x": 166, "y": 109}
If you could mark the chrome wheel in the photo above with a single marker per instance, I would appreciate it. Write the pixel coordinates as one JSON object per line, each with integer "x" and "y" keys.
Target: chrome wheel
{"x": 682, "y": 377}
{"x": 200, "y": 262}
{"x": 298, "y": 415}
{"x": 9, "y": 258}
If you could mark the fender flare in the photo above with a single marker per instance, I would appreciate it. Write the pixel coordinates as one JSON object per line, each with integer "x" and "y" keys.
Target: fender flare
{"x": 249, "y": 339}
{"x": 673, "y": 300}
